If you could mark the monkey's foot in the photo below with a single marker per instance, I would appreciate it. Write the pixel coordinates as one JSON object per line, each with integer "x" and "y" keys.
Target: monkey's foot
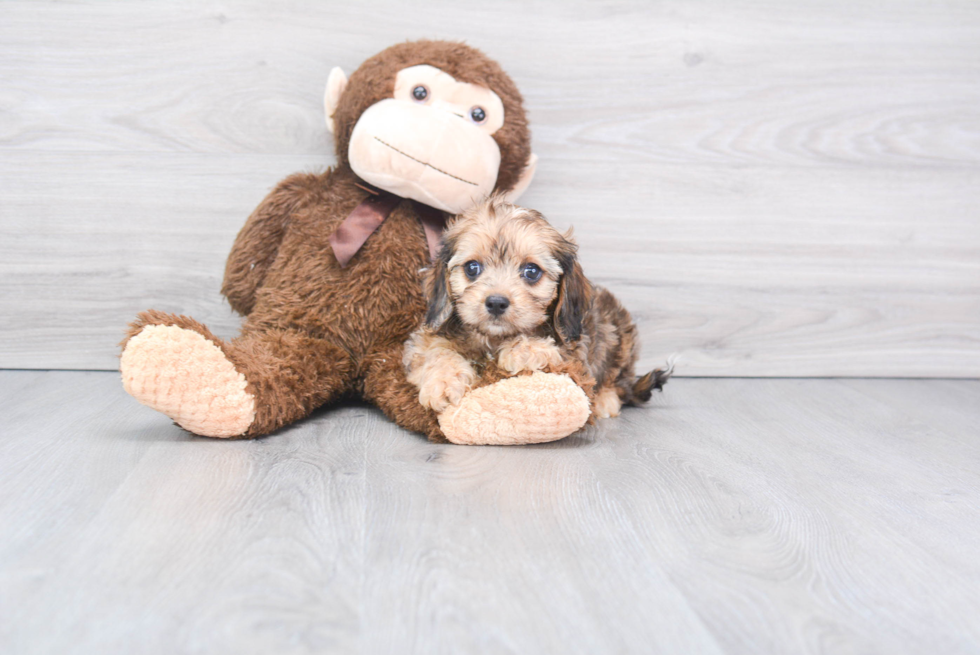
{"x": 186, "y": 376}
{"x": 519, "y": 410}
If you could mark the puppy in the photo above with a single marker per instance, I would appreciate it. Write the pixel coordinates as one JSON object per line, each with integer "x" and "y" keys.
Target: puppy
{"x": 507, "y": 287}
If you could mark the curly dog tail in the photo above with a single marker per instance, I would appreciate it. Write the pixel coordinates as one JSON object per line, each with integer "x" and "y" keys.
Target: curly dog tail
{"x": 655, "y": 379}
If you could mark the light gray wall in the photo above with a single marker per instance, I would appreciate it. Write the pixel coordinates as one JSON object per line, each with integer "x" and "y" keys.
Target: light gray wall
{"x": 772, "y": 188}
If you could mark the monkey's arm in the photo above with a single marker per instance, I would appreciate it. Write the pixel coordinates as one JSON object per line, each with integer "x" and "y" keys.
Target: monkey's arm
{"x": 258, "y": 242}
{"x": 441, "y": 374}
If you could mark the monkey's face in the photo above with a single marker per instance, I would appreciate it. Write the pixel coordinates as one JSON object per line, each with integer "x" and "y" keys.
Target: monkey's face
{"x": 503, "y": 273}
{"x": 435, "y": 121}
{"x": 432, "y": 141}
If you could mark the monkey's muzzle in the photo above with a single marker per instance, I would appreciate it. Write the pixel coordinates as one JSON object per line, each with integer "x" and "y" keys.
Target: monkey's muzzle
{"x": 424, "y": 153}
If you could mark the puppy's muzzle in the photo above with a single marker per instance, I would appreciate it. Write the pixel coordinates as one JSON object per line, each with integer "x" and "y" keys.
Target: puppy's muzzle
{"x": 497, "y": 305}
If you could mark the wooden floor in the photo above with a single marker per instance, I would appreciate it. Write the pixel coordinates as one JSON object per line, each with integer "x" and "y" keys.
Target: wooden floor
{"x": 729, "y": 516}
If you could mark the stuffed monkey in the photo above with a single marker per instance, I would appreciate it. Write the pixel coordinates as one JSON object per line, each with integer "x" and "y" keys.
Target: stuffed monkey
{"x": 327, "y": 270}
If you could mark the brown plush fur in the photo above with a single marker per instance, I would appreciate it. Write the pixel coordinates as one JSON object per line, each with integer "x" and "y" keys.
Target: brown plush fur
{"x": 314, "y": 330}
{"x": 552, "y": 317}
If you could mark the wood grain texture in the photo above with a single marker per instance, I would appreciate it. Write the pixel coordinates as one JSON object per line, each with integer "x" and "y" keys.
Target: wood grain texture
{"x": 772, "y": 189}
{"x": 729, "y": 516}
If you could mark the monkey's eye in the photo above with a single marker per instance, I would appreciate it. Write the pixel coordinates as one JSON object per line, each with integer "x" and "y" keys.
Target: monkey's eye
{"x": 478, "y": 115}
{"x": 472, "y": 269}
{"x": 420, "y": 93}
{"x": 531, "y": 273}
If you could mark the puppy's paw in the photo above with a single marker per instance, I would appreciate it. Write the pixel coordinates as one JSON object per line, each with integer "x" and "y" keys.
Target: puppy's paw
{"x": 446, "y": 385}
{"x": 528, "y": 354}
{"x": 607, "y": 403}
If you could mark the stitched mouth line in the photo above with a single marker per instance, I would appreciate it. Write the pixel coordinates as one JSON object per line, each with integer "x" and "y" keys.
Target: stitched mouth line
{"x": 439, "y": 170}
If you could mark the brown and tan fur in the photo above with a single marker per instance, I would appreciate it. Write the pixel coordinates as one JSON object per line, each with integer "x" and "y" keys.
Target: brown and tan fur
{"x": 546, "y": 319}
{"x": 314, "y": 331}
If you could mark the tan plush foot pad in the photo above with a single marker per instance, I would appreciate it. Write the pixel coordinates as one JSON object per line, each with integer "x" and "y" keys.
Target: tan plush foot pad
{"x": 520, "y": 410}
{"x": 188, "y": 378}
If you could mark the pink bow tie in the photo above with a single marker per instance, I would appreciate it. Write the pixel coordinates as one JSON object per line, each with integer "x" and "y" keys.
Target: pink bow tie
{"x": 368, "y": 216}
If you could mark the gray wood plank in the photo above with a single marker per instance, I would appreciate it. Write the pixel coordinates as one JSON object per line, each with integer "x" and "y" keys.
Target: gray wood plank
{"x": 738, "y": 82}
{"x": 823, "y": 488}
{"x": 186, "y": 548}
{"x": 729, "y": 516}
{"x": 738, "y": 276}
{"x": 81, "y": 255}
{"x": 774, "y": 190}
{"x": 513, "y": 550}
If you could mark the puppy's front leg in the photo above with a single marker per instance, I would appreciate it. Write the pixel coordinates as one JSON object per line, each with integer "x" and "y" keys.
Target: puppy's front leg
{"x": 441, "y": 374}
{"x": 526, "y": 353}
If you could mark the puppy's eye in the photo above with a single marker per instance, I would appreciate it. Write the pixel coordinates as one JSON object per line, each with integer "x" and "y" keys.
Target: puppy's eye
{"x": 531, "y": 273}
{"x": 478, "y": 115}
{"x": 472, "y": 269}
{"x": 420, "y": 93}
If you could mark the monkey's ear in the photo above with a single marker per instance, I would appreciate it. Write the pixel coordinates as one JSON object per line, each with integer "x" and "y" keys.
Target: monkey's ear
{"x": 336, "y": 84}
{"x": 574, "y": 296}
{"x": 436, "y": 288}
{"x": 524, "y": 180}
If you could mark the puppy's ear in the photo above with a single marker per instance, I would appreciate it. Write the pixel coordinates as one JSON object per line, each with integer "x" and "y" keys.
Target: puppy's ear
{"x": 574, "y": 294}
{"x": 436, "y": 287}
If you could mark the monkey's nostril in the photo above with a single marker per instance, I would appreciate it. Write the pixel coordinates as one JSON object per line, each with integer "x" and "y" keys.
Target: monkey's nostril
{"x": 497, "y": 305}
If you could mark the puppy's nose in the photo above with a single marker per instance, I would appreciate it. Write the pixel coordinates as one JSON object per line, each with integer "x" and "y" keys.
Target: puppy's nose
{"x": 497, "y": 305}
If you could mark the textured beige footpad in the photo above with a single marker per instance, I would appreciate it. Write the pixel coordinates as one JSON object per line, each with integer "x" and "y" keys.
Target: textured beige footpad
{"x": 188, "y": 378}
{"x": 527, "y": 409}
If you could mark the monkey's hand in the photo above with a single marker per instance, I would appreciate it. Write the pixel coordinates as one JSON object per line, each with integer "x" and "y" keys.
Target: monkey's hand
{"x": 528, "y": 354}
